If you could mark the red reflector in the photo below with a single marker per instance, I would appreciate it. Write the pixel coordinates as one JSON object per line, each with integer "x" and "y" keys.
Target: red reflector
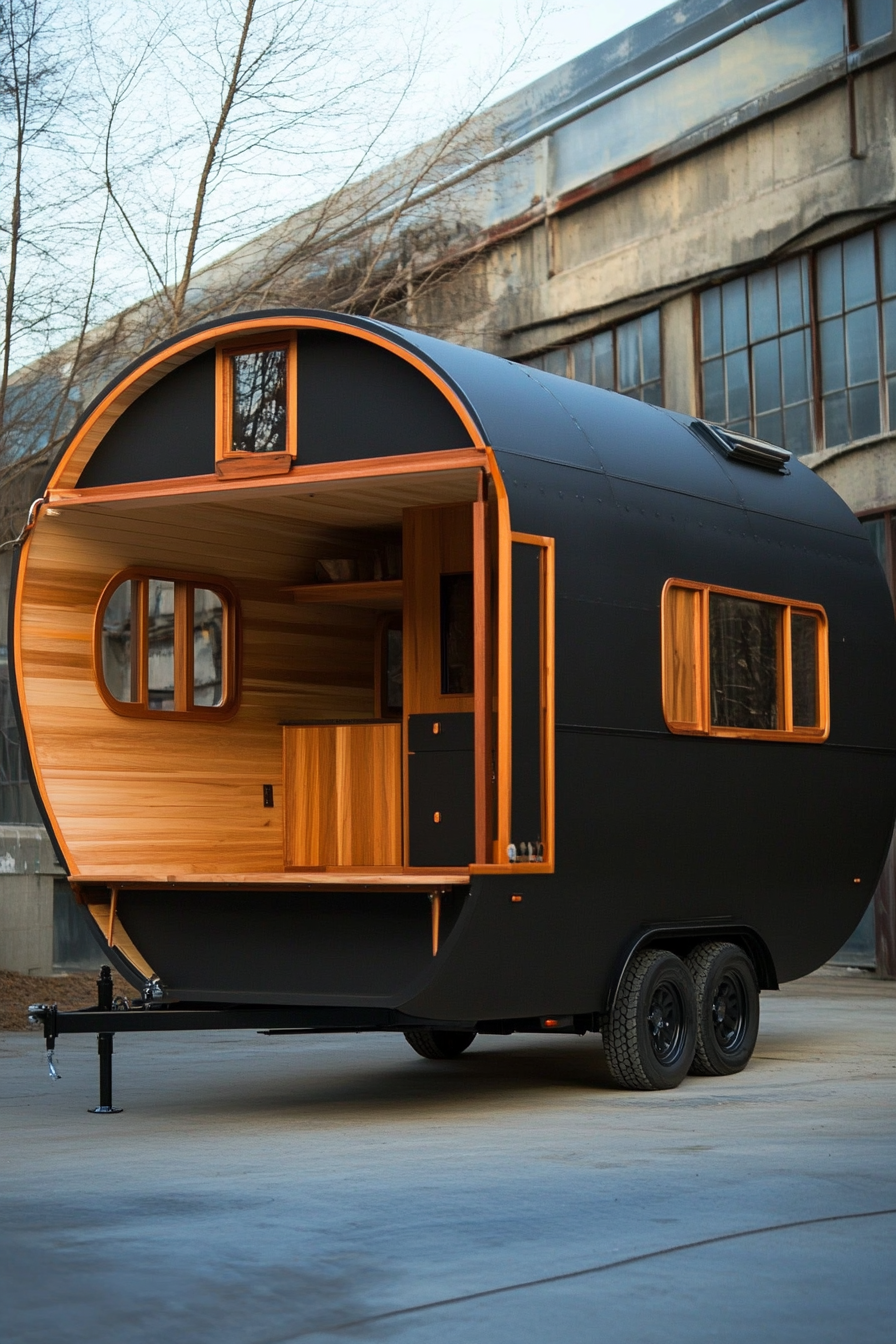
{"x": 551, "y": 1022}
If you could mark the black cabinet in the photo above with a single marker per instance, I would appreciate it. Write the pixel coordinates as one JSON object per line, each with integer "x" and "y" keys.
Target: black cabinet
{"x": 441, "y": 789}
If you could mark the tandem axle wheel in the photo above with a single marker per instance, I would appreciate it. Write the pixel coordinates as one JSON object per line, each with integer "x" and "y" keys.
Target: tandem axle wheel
{"x": 672, "y": 1017}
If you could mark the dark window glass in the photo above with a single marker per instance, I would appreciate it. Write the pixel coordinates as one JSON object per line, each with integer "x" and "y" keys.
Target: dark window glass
{"x": 394, "y": 679}
{"x": 804, "y": 665}
{"x": 119, "y": 645}
{"x": 259, "y": 402}
{"x": 873, "y": 19}
{"x": 744, "y": 642}
{"x": 457, "y": 633}
{"x": 160, "y": 643}
{"x": 763, "y": 384}
{"x": 208, "y": 647}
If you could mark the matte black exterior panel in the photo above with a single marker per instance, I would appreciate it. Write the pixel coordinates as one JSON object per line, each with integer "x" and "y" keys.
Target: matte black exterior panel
{"x": 441, "y": 784}
{"x": 166, "y": 433}
{"x": 357, "y": 400}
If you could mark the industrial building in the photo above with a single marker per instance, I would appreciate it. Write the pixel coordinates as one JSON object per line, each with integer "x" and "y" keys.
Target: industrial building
{"x": 700, "y": 213}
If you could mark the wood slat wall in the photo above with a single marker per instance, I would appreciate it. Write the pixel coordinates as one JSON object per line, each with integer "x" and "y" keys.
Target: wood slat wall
{"x": 183, "y": 796}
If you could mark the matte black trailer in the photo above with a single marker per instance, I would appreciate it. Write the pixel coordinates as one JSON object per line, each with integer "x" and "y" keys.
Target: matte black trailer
{"x": 369, "y": 679}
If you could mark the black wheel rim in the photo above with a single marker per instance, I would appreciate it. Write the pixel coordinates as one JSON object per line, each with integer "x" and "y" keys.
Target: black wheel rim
{"x": 665, "y": 1022}
{"x": 729, "y": 1012}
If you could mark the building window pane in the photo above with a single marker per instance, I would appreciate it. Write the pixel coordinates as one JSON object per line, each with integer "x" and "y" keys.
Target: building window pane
{"x": 711, "y": 322}
{"x": 766, "y": 377}
{"x": 119, "y": 643}
{"x": 734, "y": 315}
{"x": 858, "y": 271}
{"x": 850, "y": 345}
{"x": 744, "y": 643}
{"x": 793, "y": 293}
{"x": 604, "y": 368}
{"x": 830, "y": 282}
{"x": 626, "y": 359}
{"x": 767, "y": 382}
{"x": 861, "y": 346}
{"x": 714, "y": 392}
{"x": 887, "y": 246}
{"x": 763, "y": 305}
{"x": 208, "y": 647}
{"x": 582, "y": 361}
{"x": 737, "y": 384}
{"x": 259, "y": 402}
{"x": 873, "y": 19}
{"x": 804, "y": 669}
{"x": 864, "y": 411}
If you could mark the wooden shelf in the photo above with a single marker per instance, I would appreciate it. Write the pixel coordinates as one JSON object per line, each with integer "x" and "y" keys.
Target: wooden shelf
{"x": 380, "y": 594}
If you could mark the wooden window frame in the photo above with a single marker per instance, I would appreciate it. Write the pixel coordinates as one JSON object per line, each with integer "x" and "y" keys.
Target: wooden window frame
{"x": 703, "y": 726}
{"x": 228, "y": 462}
{"x": 184, "y": 585}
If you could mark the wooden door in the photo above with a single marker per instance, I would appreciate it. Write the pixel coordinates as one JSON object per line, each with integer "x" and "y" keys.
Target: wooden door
{"x": 343, "y": 795}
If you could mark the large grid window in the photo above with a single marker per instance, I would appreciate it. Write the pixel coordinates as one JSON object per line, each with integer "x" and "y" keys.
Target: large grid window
{"x": 756, "y": 355}
{"x": 857, "y": 336}
{"x": 625, "y": 359}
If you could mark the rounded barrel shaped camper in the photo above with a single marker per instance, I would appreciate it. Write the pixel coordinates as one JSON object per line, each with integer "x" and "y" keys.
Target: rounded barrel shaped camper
{"x": 369, "y": 674}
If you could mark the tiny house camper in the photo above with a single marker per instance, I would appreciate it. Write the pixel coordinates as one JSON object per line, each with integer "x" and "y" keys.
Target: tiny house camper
{"x": 395, "y": 684}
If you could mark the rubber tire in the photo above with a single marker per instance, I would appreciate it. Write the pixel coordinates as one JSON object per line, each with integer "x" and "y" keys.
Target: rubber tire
{"x": 439, "y": 1044}
{"x": 710, "y": 964}
{"x": 627, "y": 1035}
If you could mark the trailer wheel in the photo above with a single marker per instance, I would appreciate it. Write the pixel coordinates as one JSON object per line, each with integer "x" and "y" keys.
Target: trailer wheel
{"x": 439, "y": 1044}
{"x": 651, "y": 1031}
{"x": 727, "y": 1008}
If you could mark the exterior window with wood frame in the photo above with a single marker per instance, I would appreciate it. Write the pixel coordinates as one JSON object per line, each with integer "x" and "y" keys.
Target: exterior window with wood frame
{"x": 256, "y": 422}
{"x": 167, "y": 644}
{"x": 743, "y": 664}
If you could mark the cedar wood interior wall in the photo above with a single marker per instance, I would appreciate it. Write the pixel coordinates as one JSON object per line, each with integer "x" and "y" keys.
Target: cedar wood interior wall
{"x": 183, "y": 793}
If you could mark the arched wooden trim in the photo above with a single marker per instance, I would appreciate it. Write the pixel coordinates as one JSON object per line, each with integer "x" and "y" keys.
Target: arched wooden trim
{"x": 147, "y": 374}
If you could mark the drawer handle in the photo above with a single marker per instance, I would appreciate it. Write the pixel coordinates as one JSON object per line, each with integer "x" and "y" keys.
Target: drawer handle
{"x": 437, "y": 817}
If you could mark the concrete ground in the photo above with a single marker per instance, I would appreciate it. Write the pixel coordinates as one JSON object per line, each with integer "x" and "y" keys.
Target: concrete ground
{"x": 261, "y": 1190}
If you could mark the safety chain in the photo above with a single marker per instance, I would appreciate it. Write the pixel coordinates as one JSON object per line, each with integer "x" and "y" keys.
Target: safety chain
{"x": 29, "y": 523}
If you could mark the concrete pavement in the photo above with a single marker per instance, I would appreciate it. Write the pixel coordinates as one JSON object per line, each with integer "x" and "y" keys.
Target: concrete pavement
{"x": 261, "y": 1190}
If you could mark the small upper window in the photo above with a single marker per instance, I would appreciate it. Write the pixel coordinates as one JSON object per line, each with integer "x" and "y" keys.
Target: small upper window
{"x": 256, "y": 405}
{"x": 167, "y": 644}
{"x": 743, "y": 665}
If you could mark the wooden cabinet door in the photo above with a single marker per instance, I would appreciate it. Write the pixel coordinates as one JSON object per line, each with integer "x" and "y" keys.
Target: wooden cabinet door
{"x": 343, "y": 795}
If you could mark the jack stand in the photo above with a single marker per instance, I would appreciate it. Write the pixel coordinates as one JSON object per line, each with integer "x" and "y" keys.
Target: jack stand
{"x": 104, "y": 1047}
